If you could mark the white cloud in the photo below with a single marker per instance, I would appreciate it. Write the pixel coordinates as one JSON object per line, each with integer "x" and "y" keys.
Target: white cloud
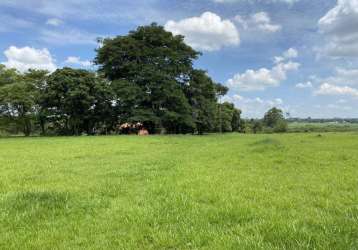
{"x": 329, "y": 89}
{"x": 74, "y": 60}
{"x": 92, "y": 9}
{"x": 54, "y": 22}
{"x": 238, "y": 97}
{"x": 26, "y": 58}
{"x": 255, "y": 107}
{"x": 344, "y": 77}
{"x": 81, "y": 9}
{"x": 288, "y": 54}
{"x": 207, "y": 32}
{"x": 259, "y": 21}
{"x": 340, "y": 27}
{"x": 68, "y": 36}
{"x": 252, "y": 80}
{"x": 342, "y": 83}
{"x": 341, "y": 77}
{"x": 304, "y": 85}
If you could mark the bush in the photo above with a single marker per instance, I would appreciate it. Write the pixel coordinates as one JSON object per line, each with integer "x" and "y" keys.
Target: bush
{"x": 280, "y": 127}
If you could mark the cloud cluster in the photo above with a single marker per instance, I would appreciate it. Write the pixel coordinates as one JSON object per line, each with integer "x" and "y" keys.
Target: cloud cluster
{"x": 253, "y": 80}
{"x": 68, "y": 36}
{"x": 107, "y": 12}
{"x": 255, "y": 107}
{"x": 54, "y": 22}
{"x": 259, "y": 21}
{"x": 26, "y": 58}
{"x": 74, "y": 60}
{"x": 340, "y": 27}
{"x": 344, "y": 77}
{"x": 343, "y": 82}
{"x": 329, "y": 89}
{"x": 288, "y": 54}
{"x": 208, "y": 32}
{"x": 304, "y": 85}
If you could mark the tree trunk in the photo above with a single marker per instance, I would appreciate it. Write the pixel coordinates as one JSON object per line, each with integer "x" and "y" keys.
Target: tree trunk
{"x": 27, "y": 127}
{"x": 42, "y": 125}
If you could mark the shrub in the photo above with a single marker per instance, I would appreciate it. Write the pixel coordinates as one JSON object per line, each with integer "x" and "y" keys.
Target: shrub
{"x": 280, "y": 127}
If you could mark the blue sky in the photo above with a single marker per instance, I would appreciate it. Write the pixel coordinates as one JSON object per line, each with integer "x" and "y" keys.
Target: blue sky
{"x": 299, "y": 55}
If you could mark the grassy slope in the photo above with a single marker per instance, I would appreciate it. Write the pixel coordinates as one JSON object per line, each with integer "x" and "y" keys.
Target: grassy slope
{"x": 213, "y": 192}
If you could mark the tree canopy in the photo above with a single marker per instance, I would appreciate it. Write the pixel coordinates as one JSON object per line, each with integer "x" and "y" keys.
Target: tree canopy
{"x": 275, "y": 120}
{"x": 75, "y": 100}
{"x": 155, "y": 82}
{"x": 18, "y": 96}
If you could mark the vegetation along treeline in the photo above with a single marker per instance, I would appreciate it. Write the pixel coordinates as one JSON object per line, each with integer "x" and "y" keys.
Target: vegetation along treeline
{"x": 145, "y": 77}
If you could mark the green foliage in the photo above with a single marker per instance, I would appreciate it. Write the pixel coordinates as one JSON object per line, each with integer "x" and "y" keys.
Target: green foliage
{"x": 154, "y": 81}
{"x": 257, "y": 126}
{"x": 19, "y": 94}
{"x": 145, "y": 54}
{"x": 281, "y": 127}
{"x": 154, "y": 66}
{"x": 272, "y": 117}
{"x": 236, "y": 120}
{"x": 275, "y": 121}
{"x": 76, "y": 99}
{"x": 228, "y": 118}
{"x": 17, "y": 102}
{"x": 8, "y": 76}
{"x": 221, "y": 90}
{"x": 201, "y": 93}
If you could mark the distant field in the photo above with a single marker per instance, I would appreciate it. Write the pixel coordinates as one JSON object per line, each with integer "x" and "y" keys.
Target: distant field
{"x": 322, "y": 127}
{"x": 289, "y": 191}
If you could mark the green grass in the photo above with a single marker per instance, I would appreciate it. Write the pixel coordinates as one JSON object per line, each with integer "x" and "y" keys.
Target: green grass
{"x": 290, "y": 191}
{"x": 322, "y": 127}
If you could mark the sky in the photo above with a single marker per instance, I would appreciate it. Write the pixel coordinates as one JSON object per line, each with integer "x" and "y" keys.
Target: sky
{"x": 298, "y": 55}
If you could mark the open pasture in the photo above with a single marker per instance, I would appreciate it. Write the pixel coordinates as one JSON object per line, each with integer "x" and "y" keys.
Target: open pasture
{"x": 290, "y": 191}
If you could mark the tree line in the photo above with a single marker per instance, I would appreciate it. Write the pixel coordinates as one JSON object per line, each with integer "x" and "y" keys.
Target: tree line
{"x": 146, "y": 76}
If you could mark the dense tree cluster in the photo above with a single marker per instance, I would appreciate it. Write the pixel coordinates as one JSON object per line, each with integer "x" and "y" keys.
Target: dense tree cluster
{"x": 273, "y": 122}
{"x": 146, "y": 76}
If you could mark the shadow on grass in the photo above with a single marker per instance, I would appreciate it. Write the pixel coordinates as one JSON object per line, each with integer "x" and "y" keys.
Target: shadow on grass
{"x": 31, "y": 208}
{"x": 267, "y": 144}
{"x": 31, "y": 201}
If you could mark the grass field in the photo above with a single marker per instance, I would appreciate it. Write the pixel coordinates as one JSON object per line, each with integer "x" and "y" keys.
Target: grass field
{"x": 290, "y": 191}
{"x": 322, "y": 127}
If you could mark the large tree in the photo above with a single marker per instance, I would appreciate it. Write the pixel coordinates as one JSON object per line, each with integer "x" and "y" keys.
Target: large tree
{"x": 149, "y": 68}
{"x": 272, "y": 117}
{"x": 228, "y": 117}
{"x": 202, "y": 95}
{"x": 19, "y": 95}
{"x": 236, "y": 122}
{"x": 76, "y": 100}
{"x": 38, "y": 80}
{"x": 8, "y": 76}
{"x": 275, "y": 120}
